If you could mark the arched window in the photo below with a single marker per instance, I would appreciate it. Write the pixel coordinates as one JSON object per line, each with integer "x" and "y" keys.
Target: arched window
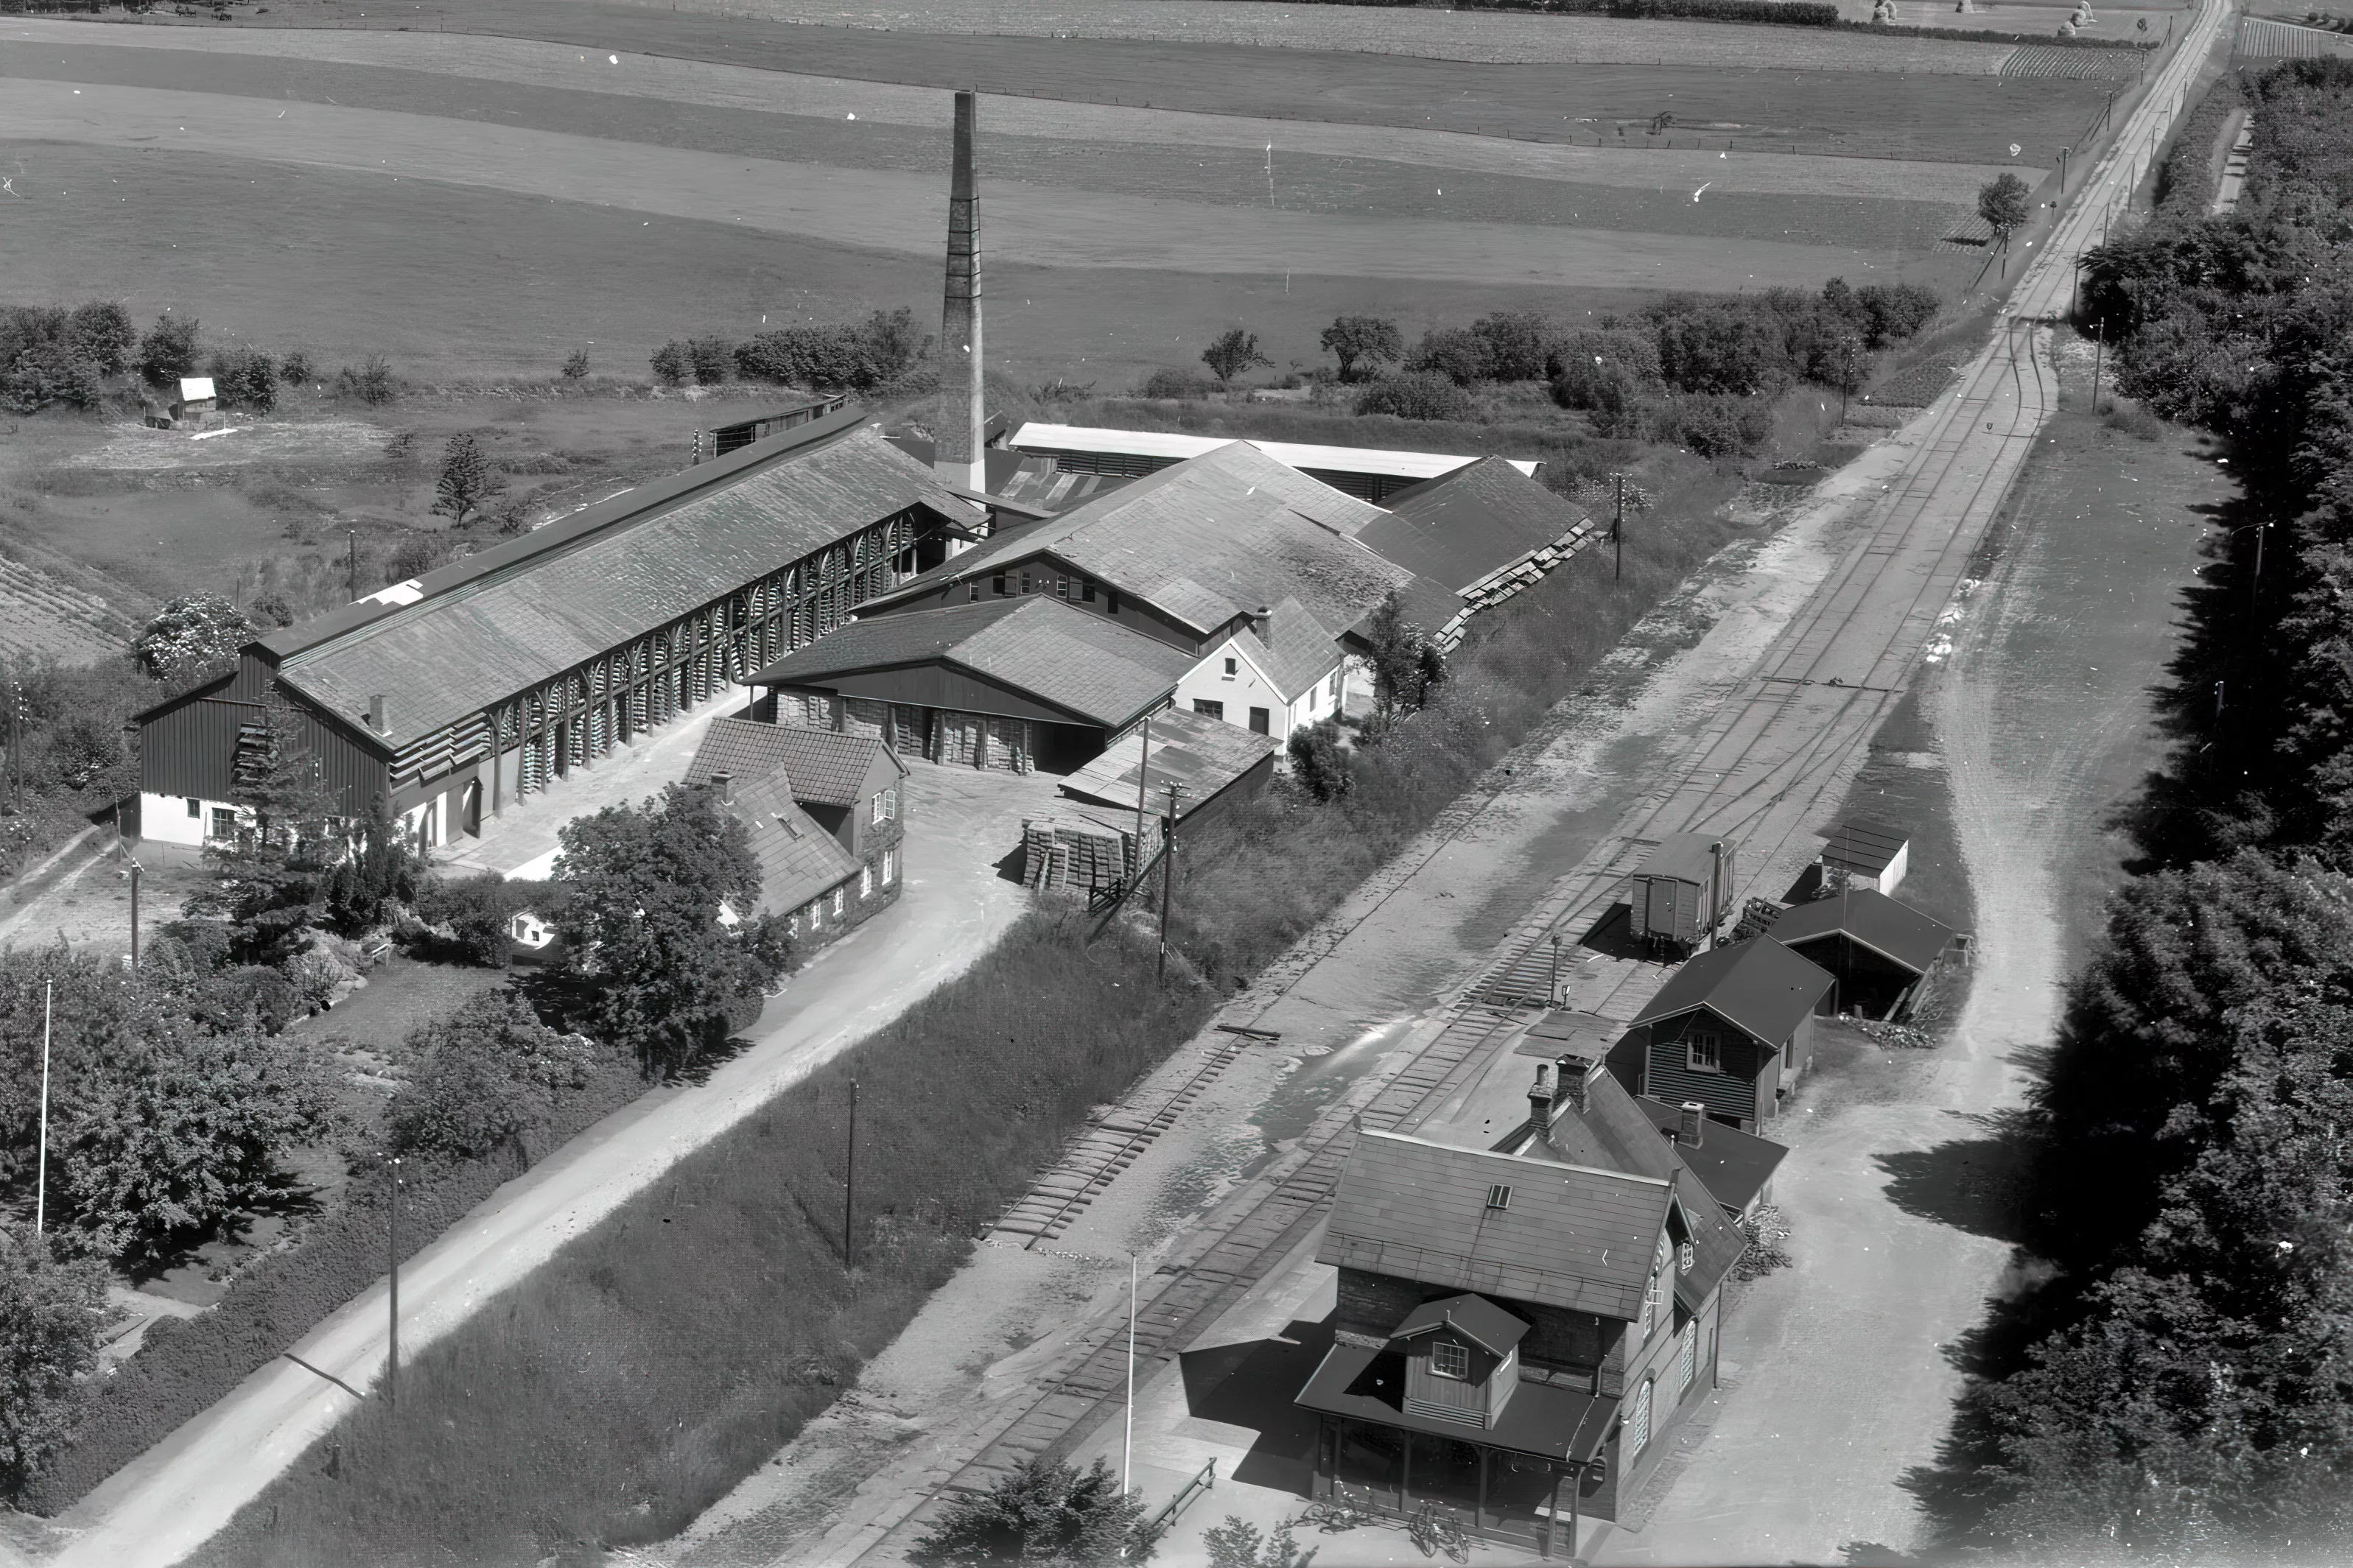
{"x": 1637, "y": 1426}
{"x": 1687, "y": 1358}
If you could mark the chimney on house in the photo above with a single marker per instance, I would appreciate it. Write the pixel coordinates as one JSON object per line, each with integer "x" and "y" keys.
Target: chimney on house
{"x": 377, "y": 715}
{"x": 1540, "y": 1101}
{"x": 1260, "y": 619}
{"x": 725, "y": 783}
{"x": 1576, "y": 1075}
{"x": 1693, "y": 1125}
{"x": 957, "y": 455}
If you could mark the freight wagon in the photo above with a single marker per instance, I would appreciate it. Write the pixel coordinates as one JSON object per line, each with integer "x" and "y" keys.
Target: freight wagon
{"x": 1682, "y": 891}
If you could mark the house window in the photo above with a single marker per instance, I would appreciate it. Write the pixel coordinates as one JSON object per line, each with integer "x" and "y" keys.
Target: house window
{"x": 224, "y": 822}
{"x": 195, "y": 806}
{"x": 1687, "y": 1358}
{"x": 866, "y": 881}
{"x": 1706, "y": 1050}
{"x": 997, "y": 583}
{"x": 1450, "y": 1360}
{"x": 1063, "y": 588}
{"x": 840, "y": 896}
{"x": 1231, "y": 667}
{"x": 1209, "y": 710}
{"x": 889, "y": 867}
{"x": 1261, "y": 720}
{"x": 1498, "y": 1198}
{"x": 890, "y": 806}
{"x": 1087, "y": 591}
{"x": 794, "y": 924}
{"x": 1637, "y": 1426}
{"x": 974, "y": 598}
{"x": 1650, "y": 1305}
{"x": 875, "y": 816}
{"x": 1025, "y": 581}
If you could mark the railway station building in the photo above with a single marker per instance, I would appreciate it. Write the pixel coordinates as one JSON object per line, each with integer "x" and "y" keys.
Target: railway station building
{"x": 456, "y": 694}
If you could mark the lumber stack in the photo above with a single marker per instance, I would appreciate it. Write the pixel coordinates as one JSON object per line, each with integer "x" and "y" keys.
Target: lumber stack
{"x": 1072, "y": 852}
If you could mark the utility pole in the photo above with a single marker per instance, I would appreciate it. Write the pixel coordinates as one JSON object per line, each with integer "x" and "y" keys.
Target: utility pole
{"x": 1554, "y": 994}
{"x": 1618, "y": 530}
{"x": 2099, "y": 352}
{"x": 392, "y": 1248}
{"x": 1167, "y": 877}
{"x": 1143, "y": 785}
{"x": 2063, "y": 171}
{"x": 1127, "y": 1452}
{"x": 135, "y": 914}
{"x": 849, "y": 1176}
{"x": 41, "y": 1179}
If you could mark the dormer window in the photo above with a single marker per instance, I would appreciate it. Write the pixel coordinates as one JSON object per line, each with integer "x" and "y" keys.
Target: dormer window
{"x": 1498, "y": 1198}
{"x": 1450, "y": 1360}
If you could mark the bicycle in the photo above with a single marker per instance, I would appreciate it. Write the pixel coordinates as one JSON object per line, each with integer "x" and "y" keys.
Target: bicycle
{"x": 1338, "y": 1513}
{"x": 1434, "y": 1530}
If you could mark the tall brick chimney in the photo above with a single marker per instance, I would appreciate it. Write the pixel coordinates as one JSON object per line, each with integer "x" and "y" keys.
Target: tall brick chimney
{"x": 958, "y": 458}
{"x": 1692, "y": 1126}
{"x": 1540, "y": 1101}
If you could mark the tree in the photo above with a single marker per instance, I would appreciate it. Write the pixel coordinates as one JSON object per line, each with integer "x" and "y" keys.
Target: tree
{"x": 1052, "y": 1515}
{"x": 673, "y": 364}
{"x": 1238, "y": 1543}
{"x": 1366, "y": 341}
{"x": 1519, "y": 343}
{"x": 1405, "y": 665}
{"x": 490, "y": 1073}
{"x": 712, "y": 359}
{"x": 1417, "y": 394}
{"x": 1234, "y": 352}
{"x": 378, "y": 870}
{"x": 662, "y": 971}
{"x": 295, "y": 368}
{"x": 1842, "y": 364}
{"x": 272, "y": 880}
{"x": 104, "y": 333}
{"x": 50, "y": 1311}
{"x": 466, "y": 480}
{"x": 168, "y": 351}
{"x": 1607, "y": 371}
{"x": 1318, "y": 763}
{"x": 576, "y": 366}
{"x": 193, "y": 635}
{"x": 1461, "y": 356}
{"x": 245, "y": 378}
{"x": 2002, "y": 203}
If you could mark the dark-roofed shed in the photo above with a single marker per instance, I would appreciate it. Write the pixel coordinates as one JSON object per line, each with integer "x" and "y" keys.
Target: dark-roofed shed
{"x": 1732, "y": 1029}
{"x": 1877, "y": 948}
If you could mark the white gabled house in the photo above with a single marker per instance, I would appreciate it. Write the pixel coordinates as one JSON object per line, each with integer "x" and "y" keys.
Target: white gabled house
{"x": 1279, "y": 673}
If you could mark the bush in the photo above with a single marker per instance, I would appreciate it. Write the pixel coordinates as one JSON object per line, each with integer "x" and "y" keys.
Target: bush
{"x": 1040, "y": 1511}
{"x": 476, "y": 911}
{"x": 295, "y": 369}
{"x": 1605, "y": 370}
{"x": 1318, "y": 762}
{"x": 1459, "y": 354}
{"x": 1519, "y": 344}
{"x": 38, "y": 371}
{"x": 105, "y": 334}
{"x": 576, "y": 366}
{"x": 490, "y": 1073}
{"x": 414, "y": 556}
{"x": 1417, "y": 394}
{"x": 192, "y": 636}
{"x": 1186, "y": 385}
{"x": 49, "y": 1316}
{"x": 1716, "y": 427}
{"x": 673, "y": 363}
{"x": 261, "y": 992}
{"x": 1722, "y": 348}
{"x": 168, "y": 351}
{"x": 859, "y": 356}
{"x": 245, "y": 378}
{"x": 712, "y": 359}
{"x": 371, "y": 382}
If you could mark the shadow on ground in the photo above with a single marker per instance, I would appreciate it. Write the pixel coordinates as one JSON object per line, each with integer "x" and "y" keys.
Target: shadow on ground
{"x": 1252, "y": 1385}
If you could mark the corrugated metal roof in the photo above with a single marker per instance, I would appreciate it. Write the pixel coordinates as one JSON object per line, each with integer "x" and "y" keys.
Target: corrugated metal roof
{"x": 799, "y": 859}
{"x": 1042, "y": 438}
{"x": 1214, "y": 538}
{"x": 1203, "y": 755}
{"x": 1758, "y": 986}
{"x": 1068, "y": 657}
{"x": 1882, "y": 925}
{"x": 825, "y": 767}
{"x": 476, "y": 641}
{"x": 1573, "y": 1237}
{"x": 1458, "y": 528}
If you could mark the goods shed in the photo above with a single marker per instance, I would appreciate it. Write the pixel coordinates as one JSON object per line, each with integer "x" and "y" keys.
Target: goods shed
{"x": 1878, "y": 949}
{"x": 1863, "y": 854}
{"x": 1020, "y": 683}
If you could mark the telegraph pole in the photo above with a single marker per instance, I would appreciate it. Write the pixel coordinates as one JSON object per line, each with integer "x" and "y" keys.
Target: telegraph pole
{"x": 1167, "y": 877}
{"x": 2099, "y": 352}
{"x": 135, "y": 914}
{"x": 392, "y": 1248}
{"x": 1618, "y": 530}
{"x": 850, "y": 1175}
{"x": 41, "y": 1179}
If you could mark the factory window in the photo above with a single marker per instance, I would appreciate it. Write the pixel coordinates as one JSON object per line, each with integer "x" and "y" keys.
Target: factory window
{"x": 1209, "y": 710}
{"x": 1498, "y": 1198}
{"x": 1706, "y": 1050}
{"x": 1448, "y": 1359}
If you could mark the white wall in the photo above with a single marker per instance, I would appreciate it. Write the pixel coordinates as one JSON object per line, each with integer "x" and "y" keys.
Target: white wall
{"x": 1248, "y": 687}
{"x": 165, "y": 819}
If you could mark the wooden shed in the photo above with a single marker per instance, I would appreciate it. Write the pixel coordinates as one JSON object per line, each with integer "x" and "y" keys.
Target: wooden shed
{"x": 1682, "y": 891}
{"x": 1863, "y": 854}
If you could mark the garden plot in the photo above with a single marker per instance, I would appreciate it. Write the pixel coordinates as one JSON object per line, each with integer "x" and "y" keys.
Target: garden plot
{"x": 41, "y": 617}
{"x": 136, "y": 448}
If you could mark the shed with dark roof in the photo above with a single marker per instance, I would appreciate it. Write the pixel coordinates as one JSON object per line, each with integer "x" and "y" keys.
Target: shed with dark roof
{"x": 1878, "y": 949}
{"x": 1212, "y": 763}
{"x": 1867, "y": 854}
{"x": 1731, "y": 1029}
{"x": 1017, "y": 683}
{"x": 1487, "y": 532}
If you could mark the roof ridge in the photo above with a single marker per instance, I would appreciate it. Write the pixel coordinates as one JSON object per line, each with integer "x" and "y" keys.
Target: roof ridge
{"x": 1518, "y": 1159}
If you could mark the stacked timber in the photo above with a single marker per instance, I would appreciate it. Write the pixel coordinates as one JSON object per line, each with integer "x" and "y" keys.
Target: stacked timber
{"x": 1072, "y": 852}
{"x": 1511, "y": 578}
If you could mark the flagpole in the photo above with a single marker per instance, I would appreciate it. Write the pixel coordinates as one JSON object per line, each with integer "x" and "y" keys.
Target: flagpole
{"x": 1127, "y": 1454}
{"x": 41, "y": 1180}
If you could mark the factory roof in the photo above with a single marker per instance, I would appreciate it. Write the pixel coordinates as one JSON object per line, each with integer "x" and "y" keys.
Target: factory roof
{"x": 1178, "y": 447}
{"x": 1466, "y": 525}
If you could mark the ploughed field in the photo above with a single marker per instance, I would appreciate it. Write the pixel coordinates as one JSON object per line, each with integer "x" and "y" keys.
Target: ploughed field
{"x": 558, "y": 174}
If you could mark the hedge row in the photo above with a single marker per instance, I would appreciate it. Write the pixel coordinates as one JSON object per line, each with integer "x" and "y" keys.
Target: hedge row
{"x": 2187, "y": 180}
{"x": 1763, "y": 12}
{"x": 186, "y": 1365}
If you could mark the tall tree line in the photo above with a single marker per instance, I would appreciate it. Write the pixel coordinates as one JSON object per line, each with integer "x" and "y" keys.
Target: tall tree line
{"x": 2186, "y": 1386}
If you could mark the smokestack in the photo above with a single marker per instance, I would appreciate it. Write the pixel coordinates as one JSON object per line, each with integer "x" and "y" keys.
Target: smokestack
{"x": 958, "y": 458}
{"x": 1540, "y": 1101}
{"x": 1694, "y": 1126}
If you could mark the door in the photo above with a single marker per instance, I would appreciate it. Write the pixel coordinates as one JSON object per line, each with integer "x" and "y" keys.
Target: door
{"x": 1262, "y": 721}
{"x": 471, "y": 819}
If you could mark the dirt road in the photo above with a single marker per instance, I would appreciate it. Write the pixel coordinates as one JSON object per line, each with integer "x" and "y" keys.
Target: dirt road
{"x": 176, "y": 1495}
